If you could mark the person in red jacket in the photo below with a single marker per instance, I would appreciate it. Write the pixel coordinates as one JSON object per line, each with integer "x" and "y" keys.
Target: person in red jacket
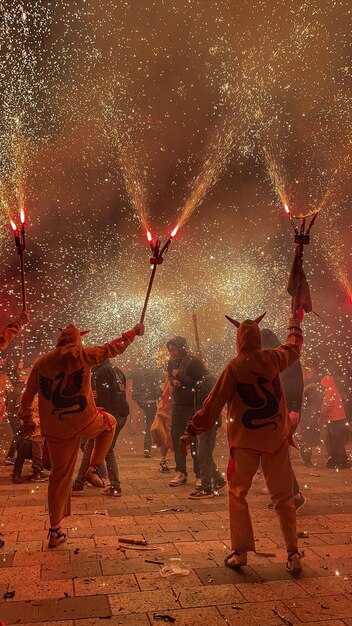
{"x": 333, "y": 413}
{"x": 10, "y": 331}
{"x": 67, "y": 412}
{"x": 259, "y": 430}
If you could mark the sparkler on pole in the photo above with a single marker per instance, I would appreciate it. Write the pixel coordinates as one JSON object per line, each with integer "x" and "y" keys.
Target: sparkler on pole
{"x": 156, "y": 259}
{"x": 298, "y": 286}
{"x": 20, "y": 241}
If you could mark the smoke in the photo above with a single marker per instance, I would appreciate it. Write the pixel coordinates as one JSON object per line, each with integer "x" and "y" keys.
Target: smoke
{"x": 119, "y": 104}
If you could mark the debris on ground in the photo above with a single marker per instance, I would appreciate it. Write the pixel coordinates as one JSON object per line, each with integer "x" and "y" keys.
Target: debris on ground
{"x": 133, "y": 542}
{"x": 164, "y": 617}
{"x": 175, "y": 566}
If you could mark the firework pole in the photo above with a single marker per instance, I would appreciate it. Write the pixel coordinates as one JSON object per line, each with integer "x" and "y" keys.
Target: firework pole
{"x": 20, "y": 241}
{"x": 156, "y": 259}
{"x": 300, "y": 285}
{"x": 196, "y": 333}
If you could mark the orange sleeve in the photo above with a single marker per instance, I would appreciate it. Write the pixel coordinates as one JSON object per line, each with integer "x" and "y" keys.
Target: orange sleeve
{"x": 290, "y": 351}
{"x": 99, "y": 354}
{"x": 26, "y": 407}
{"x": 221, "y": 393}
{"x": 8, "y": 334}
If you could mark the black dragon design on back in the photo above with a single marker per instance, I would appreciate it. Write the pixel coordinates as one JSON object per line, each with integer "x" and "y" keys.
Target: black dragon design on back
{"x": 264, "y": 407}
{"x": 64, "y": 398}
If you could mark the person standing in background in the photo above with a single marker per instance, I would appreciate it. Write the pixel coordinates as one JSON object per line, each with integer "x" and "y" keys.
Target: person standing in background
{"x": 334, "y": 417}
{"x": 146, "y": 391}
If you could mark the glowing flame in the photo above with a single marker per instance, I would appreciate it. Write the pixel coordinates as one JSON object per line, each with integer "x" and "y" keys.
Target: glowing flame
{"x": 149, "y": 236}
{"x": 13, "y": 225}
{"x": 22, "y": 216}
{"x": 287, "y": 209}
{"x": 174, "y": 231}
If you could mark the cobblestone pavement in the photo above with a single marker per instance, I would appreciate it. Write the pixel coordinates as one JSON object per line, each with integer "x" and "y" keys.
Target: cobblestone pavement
{"x": 89, "y": 581}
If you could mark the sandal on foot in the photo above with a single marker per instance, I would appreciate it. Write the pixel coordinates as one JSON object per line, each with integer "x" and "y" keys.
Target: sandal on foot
{"x": 56, "y": 537}
{"x": 293, "y": 565}
{"x": 236, "y": 559}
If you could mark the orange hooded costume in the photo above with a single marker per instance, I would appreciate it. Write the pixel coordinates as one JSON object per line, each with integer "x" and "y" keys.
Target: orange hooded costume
{"x": 67, "y": 410}
{"x": 258, "y": 428}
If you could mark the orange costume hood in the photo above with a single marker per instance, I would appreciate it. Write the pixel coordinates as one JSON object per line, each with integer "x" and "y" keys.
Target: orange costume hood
{"x": 250, "y": 385}
{"x": 62, "y": 380}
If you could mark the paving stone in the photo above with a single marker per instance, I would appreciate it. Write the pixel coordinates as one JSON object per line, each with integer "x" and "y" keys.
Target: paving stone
{"x": 328, "y": 586}
{"x": 137, "y": 619}
{"x": 148, "y": 581}
{"x": 27, "y": 589}
{"x": 201, "y": 547}
{"x": 142, "y": 602}
{"x": 334, "y": 622}
{"x": 70, "y": 570}
{"x": 89, "y": 531}
{"x": 225, "y": 575}
{"x": 14, "y": 574}
{"x": 96, "y": 555}
{"x": 310, "y": 609}
{"x": 64, "y": 623}
{"x": 6, "y": 560}
{"x": 194, "y": 617}
{"x": 74, "y": 608}
{"x": 104, "y": 541}
{"x": 22, "y": 546}
{"x": 127, "y": 566}
{"x": 105, "y": 584}
{"x": 257, "y": 614}
{"x": 277, "y": 571}
{"x": 274, "y": 590}
{"x": 35, "y": 558}
{"x": 210, "y": 595}
{"x": 19, "y": 612}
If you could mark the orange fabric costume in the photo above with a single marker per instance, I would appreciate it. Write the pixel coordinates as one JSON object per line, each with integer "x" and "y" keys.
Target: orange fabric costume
{"x": 67, "y": 409}
{"x": 258, "y": 429}
{"x": 8, "y": 333}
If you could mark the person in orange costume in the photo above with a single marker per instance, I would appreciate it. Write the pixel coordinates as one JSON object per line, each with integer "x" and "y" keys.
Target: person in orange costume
{"x": 10, "y": 331}
{"x": 67, "y": 412}
{"x": 258, "y": 429}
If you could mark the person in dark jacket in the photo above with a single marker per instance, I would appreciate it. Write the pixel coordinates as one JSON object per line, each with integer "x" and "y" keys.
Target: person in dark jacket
{"x": 183, "y": 408}
{"x": 109, "y": 390}
{"x": 293, "y": 386}
{"x": 212, "y": 481}
{"x": 146, "y": 392}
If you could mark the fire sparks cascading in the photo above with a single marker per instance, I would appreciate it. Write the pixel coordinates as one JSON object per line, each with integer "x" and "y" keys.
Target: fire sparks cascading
{"x": 62, "y": 65}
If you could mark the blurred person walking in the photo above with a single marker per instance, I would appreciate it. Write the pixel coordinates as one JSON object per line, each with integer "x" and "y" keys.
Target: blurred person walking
{"x": 335, "y": 425}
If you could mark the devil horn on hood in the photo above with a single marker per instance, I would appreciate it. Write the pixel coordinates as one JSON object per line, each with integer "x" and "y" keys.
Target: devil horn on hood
{"x": 234, "y": 322}
{"x": 259, "y": 319}
{"x": 84, "y": 332}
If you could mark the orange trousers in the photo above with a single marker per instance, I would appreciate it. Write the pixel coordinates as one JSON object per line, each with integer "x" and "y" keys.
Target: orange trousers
{"x": 277, "y": 471}
{"x": 63, "y": 457}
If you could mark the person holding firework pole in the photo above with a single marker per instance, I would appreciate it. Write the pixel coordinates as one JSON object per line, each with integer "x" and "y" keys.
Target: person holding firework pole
{"x": 67, "y": 412}
{"x": 258, "y": 428}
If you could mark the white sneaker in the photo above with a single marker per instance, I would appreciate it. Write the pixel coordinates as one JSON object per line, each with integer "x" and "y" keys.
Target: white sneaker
{"x": 180, "y": 479}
